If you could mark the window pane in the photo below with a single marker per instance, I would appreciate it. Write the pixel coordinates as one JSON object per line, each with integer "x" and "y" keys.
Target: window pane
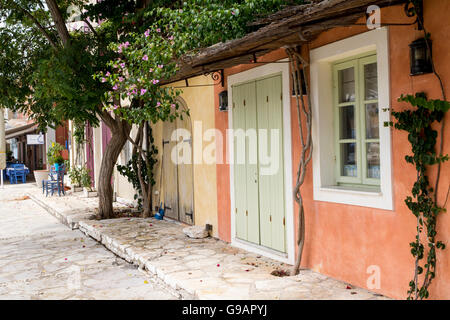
{"x": 373, "y": 160}
{"x": 371, "y": 81}
{"x": 346, "y": 85}
{"x": 348, "y": 160}
{"x": 347, "y": 123}
{"x": 372, "y": 125}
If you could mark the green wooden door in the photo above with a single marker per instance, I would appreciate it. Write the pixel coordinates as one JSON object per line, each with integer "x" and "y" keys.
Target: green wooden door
{"x": 259, "y": 194}
{"x": 240, "y": 174}
{"x": 271, "y": 178}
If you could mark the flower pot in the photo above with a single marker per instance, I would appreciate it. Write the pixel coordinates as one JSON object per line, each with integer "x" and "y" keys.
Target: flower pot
{"x": 89, "y": 193}
{"x": 77, "y": 188}
{"x": 39, "y": 176}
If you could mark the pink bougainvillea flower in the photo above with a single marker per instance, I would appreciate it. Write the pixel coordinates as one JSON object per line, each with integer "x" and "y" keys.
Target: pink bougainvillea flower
{"x": 158, "y": 30}
{"x": 145, "y": 57}
{"x": 155, "y": 81}
{"x": 115, "y": 87}
{"x": 143, "y": 91}
{"x": 107, "y": 74}
{"x": 115, "y": 107}
{"x": 160, "y": 66}
{"x": 151, "y": 70}
{"x": 233, "y": 13}
{"x": 173, "y": 105}
{"x": 121, "y": 79}
{"x": 122, "y": 65}
{"x": 158, "y": 104}
{"x": 126, "y": 44}
{"x": 147, "y": 33}
{"x": 103, "y": 79}
{"x": 171, "y": 38}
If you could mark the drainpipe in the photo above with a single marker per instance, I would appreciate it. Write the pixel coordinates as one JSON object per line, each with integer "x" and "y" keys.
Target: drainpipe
{"x": 2, "y": 145}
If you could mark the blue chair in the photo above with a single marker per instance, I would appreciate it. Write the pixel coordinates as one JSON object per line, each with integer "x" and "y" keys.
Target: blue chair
{"x": 19, "y": 172}
{"x": 12, "y": 176}
{"x": 56, "y": 181}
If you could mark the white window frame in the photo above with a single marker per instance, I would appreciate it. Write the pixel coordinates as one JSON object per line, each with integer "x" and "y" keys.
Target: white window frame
{"x": 324, "y": 176}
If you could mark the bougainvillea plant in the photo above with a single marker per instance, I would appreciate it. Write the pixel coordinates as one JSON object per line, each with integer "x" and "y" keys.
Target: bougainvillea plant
{"x": 145, "y": 58}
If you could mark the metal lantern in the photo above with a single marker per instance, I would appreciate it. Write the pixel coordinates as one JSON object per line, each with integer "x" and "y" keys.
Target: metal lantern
{"x": 420, "y": 57}
{"x": 223, "y": 101}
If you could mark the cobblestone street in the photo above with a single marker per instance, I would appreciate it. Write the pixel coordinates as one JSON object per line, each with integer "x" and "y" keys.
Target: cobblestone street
{"x": 40, "y": 258}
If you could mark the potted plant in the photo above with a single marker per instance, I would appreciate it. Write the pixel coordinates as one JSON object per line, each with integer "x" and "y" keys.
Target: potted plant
{"x": 86, "y": 182}
{"x": 54, "y": 155}
{"x": 75, "y": 178}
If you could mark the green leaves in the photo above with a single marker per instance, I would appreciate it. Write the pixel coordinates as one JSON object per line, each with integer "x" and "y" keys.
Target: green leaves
{"x": 420, "y": 100}
{"x": 418, "y": 124}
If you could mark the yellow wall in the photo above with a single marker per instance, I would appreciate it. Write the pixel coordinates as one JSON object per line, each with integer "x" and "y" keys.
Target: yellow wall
{"x": 200, "y": 101}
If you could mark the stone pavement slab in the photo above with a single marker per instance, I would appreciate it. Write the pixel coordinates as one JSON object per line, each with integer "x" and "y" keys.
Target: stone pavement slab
{"x": 42, "y": 259}
{"x": 210, "y": 268}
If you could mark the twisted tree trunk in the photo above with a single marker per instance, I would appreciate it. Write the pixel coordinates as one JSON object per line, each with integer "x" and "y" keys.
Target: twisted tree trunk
{"x": 120, "y": 131}
{"x": 298, "y": 65}
{"x": 146, "y": 187}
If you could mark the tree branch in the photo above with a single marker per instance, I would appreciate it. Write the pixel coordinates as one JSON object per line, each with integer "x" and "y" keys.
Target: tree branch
{"x": 37, "y": 24}
{"x": 91, "y": 27}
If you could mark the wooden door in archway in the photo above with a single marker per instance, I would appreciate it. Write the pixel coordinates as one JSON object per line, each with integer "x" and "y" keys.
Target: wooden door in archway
{"x": 178, "y": 186}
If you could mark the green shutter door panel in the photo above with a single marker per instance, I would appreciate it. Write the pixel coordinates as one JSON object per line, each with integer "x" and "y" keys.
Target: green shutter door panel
{"x": 251, "y": 153}
{"x": 271, "y": 182}
{"x": 240, "y": 189}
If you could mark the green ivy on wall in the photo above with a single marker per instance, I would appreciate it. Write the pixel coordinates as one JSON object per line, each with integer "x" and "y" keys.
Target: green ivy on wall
{"x": 423, "y": 138}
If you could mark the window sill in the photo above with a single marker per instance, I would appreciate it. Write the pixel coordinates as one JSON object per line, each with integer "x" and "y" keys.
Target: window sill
{"x": 355, "y": 196}
{"x": 363, "y": 190}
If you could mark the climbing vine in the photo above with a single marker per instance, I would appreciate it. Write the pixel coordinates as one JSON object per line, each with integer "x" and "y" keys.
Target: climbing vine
{"x": 423, "y": 138}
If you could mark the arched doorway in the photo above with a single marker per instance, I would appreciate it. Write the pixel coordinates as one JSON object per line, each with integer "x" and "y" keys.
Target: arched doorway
{"x": 178, "y": 180}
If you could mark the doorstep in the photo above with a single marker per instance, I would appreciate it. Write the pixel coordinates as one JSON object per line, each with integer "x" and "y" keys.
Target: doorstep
{"x": 210, "y": 268}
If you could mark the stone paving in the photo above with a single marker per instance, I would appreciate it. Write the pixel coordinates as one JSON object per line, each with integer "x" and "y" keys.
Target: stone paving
{"x": 69, "y": 209}
{"x": 189, "y": 268}
{"x": 210, "y": 268}
{"x": 42, "y": 259}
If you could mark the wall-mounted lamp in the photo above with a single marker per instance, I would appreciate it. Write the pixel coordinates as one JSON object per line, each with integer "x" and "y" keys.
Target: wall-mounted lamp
{"x": 420, "y": 57}
{"x": 223, "y": 101}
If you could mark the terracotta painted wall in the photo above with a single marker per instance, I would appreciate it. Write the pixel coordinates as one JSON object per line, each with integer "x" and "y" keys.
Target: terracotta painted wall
{"x": 62, "y": 133}
{"x": 342, "y": 241}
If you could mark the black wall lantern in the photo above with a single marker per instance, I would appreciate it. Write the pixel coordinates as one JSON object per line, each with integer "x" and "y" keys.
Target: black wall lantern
{"x": 420, "y": 57}
{"x": 223, "y": 101}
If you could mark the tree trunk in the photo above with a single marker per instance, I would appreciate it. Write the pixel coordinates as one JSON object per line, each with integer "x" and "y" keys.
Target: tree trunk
{"x": 59, "y": 21}
{"x": 105, "y": 192}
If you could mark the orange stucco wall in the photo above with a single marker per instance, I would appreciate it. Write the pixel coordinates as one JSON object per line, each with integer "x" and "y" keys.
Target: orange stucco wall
{"x": 342, "y": 241}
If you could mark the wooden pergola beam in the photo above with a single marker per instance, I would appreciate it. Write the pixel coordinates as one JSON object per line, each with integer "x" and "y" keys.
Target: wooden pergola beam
{"x": 304, "y": 24}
